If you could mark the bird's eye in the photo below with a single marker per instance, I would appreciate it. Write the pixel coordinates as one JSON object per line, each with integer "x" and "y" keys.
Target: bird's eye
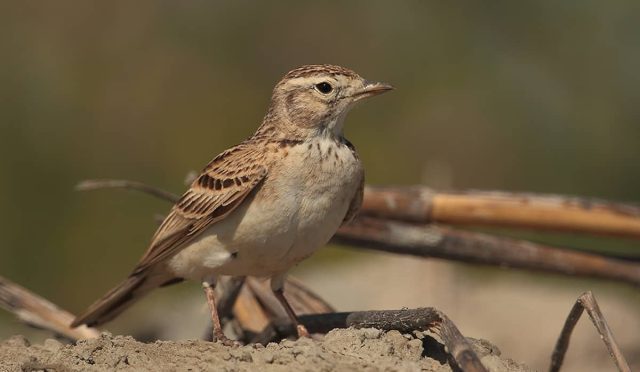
{"x": 324, "y": 87}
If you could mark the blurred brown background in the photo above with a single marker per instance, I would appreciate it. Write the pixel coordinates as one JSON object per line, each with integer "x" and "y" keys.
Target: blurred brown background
{"x": 539, "y": 96}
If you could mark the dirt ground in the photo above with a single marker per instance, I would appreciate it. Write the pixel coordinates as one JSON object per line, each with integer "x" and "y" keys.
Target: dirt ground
{"x": 339, "y": 350}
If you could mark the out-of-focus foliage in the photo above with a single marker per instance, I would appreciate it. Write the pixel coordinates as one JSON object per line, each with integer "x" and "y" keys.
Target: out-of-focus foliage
{"x": 515, "y": 95}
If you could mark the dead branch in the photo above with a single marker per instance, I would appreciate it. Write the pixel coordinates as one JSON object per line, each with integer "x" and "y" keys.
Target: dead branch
{"x": 38, "y": 312}
{"x": 304, "y": 300}
{"x": 588, "y": 302}
{"x": 404, "y": 321}
{"x": 478, "y": 248}
{"x": 414, "y": 204}
{"x": 301, "y": 298}
{"x": 489, "y": 208}
{"x": 88, "y": 185}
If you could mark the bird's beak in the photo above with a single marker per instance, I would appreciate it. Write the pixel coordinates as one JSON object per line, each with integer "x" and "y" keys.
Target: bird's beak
{"x": 371, "y": 89}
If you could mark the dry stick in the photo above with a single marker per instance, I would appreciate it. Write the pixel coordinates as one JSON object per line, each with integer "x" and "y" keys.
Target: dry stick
{"x": 522, "y": 210}
{"x": 471, "y": 247}
{"x": 249, "y": 314}
{"x": 301, "y": 298}
{"x": 404, "y": 321}
{"x": 304, "y": 299}
{"x": 38, "y": 312}
{"x": 414, "y": 204}
{"x": 264, "y": 295}
{"x": 423, "y": 205}
{"x": 587, "y": 301}
{"x": 127, "y": 185}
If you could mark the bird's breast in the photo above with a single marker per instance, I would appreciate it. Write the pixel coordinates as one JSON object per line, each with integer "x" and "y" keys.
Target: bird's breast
{"x": 296, "y": 210}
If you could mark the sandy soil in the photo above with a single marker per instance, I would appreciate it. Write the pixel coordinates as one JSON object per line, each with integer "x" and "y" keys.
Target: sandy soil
{"x": 339, "y": 350}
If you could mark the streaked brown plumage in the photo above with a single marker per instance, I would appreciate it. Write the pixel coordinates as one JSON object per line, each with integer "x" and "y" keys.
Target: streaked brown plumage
{"x": 260, "y": 207}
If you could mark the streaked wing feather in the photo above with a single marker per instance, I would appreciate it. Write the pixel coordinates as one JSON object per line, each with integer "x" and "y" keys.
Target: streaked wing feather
{"x": 219, "y": 189}
{"x": 356, "y": 203}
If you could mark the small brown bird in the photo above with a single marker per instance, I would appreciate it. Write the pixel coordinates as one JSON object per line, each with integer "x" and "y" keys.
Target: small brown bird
{"x": 264, "y": 205}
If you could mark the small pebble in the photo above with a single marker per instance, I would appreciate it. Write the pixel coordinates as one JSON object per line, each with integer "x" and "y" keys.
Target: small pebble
{"x": 52, "y": 344}
{"x": 297, "y": 351}
{"x": 18, "y": 340}
{"x": 267, "y": 357}
{"x": 241, "y": 355}
{"x": 371, "y": 333}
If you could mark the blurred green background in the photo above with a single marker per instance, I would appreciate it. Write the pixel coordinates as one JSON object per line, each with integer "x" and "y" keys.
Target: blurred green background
{"x": 540, "y": 96}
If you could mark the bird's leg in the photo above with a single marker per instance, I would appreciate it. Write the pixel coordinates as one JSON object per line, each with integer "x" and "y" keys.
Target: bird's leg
{"x": 302, "y": 330}
{"x": 218, "y": 335}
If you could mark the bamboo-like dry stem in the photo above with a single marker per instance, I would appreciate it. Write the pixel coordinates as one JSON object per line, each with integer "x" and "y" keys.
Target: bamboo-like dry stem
{"x": 489, "y": 208}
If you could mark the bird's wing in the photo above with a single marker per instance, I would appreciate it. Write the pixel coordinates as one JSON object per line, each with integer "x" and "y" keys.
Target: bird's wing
{"x": 356, "y": 202}
{"x": 219, "y": 189}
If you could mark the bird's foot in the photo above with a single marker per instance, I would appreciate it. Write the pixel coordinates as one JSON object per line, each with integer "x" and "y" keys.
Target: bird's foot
{"x": 221, "y": 338}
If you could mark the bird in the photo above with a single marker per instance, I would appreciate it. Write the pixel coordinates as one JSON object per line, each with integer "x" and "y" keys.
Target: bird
{"x": 262, "y": 206}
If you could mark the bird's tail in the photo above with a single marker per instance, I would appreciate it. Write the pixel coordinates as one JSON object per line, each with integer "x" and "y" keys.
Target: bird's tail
{"x": 118, "y": 299}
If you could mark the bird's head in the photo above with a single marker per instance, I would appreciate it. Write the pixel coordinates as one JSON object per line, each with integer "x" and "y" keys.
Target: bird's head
{"x": 314, "y": 99}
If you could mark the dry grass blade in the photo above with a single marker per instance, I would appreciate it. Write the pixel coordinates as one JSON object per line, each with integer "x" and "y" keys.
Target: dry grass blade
{"x": 38, "y": 312}
{"x": 587, "y": 302}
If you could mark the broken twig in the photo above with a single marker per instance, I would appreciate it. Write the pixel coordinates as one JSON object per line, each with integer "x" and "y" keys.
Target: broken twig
{"x": 478, "y": 248}
{"x": 88, "y": 185}
{"x": 588, "y": 302}
{"x": 404, "y": 321}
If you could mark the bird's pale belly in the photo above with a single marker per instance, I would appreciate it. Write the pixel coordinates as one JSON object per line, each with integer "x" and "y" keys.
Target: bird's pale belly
{"x": 284, "y": 222}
